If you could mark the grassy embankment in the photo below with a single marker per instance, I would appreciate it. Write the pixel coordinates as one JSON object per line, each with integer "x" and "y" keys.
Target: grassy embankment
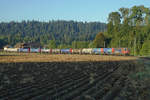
{"x": 140, "y": 78}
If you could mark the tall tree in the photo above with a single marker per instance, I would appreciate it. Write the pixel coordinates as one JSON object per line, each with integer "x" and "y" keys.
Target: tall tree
{"x": 99, "y": 40}
{"x": 115, "y": 18}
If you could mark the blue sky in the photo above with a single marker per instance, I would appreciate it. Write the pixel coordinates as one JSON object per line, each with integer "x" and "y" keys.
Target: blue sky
{"x": 77, "y": 10}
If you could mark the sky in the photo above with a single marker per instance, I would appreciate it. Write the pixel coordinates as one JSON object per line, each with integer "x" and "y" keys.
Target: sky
{"x": 77, "y": 10}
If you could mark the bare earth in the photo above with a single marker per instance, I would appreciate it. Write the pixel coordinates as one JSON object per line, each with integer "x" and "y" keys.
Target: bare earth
{"x": 26, "y": 76}
{"x": 33, "y": 57}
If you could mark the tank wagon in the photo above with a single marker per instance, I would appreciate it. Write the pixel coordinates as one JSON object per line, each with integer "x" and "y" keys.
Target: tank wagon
{"x": 76, "y": 51}
{"x": 66, "y": 51}
{"x": 11, "y": 49}
{"x": 87, "y": 51}
{"x": 98, "y": 51}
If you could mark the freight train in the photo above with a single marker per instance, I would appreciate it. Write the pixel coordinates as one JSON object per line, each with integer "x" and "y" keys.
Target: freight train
{"x": 102, "y": 51}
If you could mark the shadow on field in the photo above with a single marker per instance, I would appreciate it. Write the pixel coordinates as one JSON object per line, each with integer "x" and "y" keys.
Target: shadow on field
{"x": 9, "y": 55}
{"x": 20, "y": 73}
{"x": 37, "y": 78}
{"x": 147, "y": 58}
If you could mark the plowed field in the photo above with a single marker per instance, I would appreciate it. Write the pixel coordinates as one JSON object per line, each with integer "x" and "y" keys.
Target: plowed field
{"x": 66, "y": 77}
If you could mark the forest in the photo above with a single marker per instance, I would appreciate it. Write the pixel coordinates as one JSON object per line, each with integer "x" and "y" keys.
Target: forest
{"x": 130, "y": 27}
{"x": 50, "y": 34}
{"x": 127, "y": 27}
